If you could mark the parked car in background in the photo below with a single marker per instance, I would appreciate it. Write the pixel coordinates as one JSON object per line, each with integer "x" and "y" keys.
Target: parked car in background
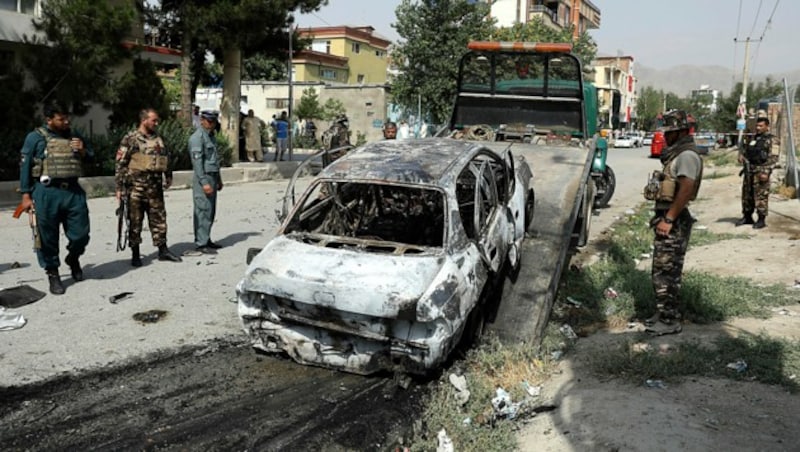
{"x": 625, "y": 141}
{"x": 638, "y": 138}
{"x": 657, "y": 145}
{"x": 648, "y": 139}
{"x": 705, "y": 142}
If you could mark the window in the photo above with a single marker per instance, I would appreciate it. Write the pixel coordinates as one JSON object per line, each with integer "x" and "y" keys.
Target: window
{"x": 379, "y": 53}
{"x": 243, "y": 99}
{"x": 18, "y": 6}
{"x": 277, "y": 103}
{"x": 360, "y": 78}
{"x": 329, "y": 74}
{"x": 321, "y": 46}
{"x": 355, "y": 47}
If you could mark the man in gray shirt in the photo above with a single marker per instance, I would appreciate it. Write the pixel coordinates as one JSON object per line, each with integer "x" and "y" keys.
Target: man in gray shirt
{"x": 679, "y": 184}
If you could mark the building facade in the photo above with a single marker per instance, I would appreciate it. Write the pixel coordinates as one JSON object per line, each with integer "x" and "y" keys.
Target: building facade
{"x": 616, "y": 90}
{"x": 707, "y": 97}
{"x": 582, "y": 15}
{"x": 342, "y": 54}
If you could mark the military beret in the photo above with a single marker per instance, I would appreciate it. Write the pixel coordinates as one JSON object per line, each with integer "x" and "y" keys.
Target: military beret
{"x": 209, "y": 115}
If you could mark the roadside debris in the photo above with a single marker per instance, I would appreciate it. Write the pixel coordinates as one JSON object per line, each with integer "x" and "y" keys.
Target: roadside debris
{"x": 445, "y": 443}
{"x": 568, "y": 332}
{"x": 14, "y": 297}
{"x": 503, "y": 406}
{"x": 151, "y": 316}
{"x": 114, "y": 299}
{"x": 11, "y": 320}
{"x": 574, "y": 302}
{"x": 739, "y": 366}
{"x": 610, "y": 293}
{"x": 533, "y": 391}
{"x": 656, "y": 384}
{"x": 460, "y": 383}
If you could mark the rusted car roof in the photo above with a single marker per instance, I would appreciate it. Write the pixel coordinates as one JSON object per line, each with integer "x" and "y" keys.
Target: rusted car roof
{"x": 424, "y": 161}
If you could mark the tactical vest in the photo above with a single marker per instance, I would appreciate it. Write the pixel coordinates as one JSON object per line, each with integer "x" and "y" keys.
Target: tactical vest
{"x": 151, "y": 155}
{"x": 60, "y": 161}
{"x": 662, "y": 185}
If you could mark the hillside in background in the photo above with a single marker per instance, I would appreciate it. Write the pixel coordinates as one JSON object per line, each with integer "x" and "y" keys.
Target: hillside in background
{"x": 681, "y": 80}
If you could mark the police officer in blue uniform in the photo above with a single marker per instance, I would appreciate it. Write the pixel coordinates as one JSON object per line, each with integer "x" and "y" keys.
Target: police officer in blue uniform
{"x": 52, "y": 158}
{"x": 206, "y": 182}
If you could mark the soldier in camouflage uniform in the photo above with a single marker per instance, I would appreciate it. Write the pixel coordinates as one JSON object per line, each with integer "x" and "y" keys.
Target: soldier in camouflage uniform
{"x": 678, "y": 183}
{"x": 337, "y": 135}
{"x": 755, "y": 184}
{"x": 142, "y": 174}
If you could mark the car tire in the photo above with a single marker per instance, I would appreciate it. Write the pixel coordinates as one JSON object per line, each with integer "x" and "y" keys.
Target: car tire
{"x": 607, "y": 182}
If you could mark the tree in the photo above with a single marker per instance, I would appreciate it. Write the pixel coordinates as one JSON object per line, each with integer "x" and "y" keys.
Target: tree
{"x": 228, "y": 29}
{"x": 332, "y": 109}
{"x": 435, "y": 34}
{"x": 309, "y": 106}
{"x": 262, "y": 67}
{"x": 138, "y": 89}
{"x": 536, "y": 31}
{"x": 648, "y": 106}
{"x": 78, "y": 46}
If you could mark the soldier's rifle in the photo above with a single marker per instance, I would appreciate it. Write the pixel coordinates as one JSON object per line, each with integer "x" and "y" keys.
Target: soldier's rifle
{"x": 37, "y": 240}
{"x": 123, "y": 221}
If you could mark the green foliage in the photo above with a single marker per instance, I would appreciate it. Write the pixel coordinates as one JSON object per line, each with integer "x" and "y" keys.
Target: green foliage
{"x": 73, "y": 61}
{"x": 435, "y": 34}
{"x": 176, "y": 140}
{"x": 537, "y": 31}
{"x": 309, "y": 106}
{"x": 105, "y": 151}
{"x": 18, "y": 117}
{"x": 332, "y": 108}
{"x": 724, "y": 120}
{"x": 262, "y": 67}
{"x": 141, "y": 88}
{"x": 769, "y": 360}
{"x": 361, "y": 138}
{"x": 648, "y": 106}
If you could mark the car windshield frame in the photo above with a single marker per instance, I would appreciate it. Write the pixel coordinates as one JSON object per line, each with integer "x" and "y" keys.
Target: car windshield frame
{"x": 356, "y": 210}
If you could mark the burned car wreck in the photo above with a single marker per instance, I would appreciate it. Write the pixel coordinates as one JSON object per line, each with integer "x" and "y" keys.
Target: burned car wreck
{"x": 383, "y": 261}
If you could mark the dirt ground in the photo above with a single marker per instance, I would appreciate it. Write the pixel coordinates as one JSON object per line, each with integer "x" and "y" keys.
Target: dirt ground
{"x": 696, "y": 414}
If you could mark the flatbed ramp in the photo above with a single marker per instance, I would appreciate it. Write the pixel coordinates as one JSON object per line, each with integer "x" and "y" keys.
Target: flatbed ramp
{"x": 559, "y": 182}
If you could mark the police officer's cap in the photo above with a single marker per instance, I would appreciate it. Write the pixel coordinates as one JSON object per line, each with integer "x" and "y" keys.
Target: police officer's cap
{"x": 209, "y": 115}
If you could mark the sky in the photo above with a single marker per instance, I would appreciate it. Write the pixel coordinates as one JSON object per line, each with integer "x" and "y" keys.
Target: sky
{"x": 656, "y": 33}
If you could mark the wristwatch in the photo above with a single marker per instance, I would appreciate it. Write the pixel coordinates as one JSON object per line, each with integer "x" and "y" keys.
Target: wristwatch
{"x": 668, "y": 220}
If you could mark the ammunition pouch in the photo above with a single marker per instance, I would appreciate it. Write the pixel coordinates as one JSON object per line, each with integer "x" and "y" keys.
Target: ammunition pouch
{"x": 60, "y": 161}
{"x": 148, "y": 162}
{"x": 659, "y": 187}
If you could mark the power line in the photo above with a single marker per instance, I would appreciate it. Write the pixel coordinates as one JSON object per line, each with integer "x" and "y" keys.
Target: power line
{"x": 755, "y": 20}
{"x": 735, "y": 47}
{"x": 766, "y": 26}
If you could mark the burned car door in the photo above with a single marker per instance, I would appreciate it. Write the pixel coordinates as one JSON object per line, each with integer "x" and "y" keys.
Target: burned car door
{"x": 495, "y": 234}
{"x": 516, "y": 191}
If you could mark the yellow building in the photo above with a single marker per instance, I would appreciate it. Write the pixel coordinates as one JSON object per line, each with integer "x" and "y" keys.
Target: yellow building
{"x": 347, "y": 55}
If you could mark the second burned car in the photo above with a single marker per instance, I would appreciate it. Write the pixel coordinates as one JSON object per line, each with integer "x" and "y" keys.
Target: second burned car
{"x": 385, "y": 260}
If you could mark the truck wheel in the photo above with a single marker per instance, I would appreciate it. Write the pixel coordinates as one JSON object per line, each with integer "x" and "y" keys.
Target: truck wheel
{"x": 605, "y": 185}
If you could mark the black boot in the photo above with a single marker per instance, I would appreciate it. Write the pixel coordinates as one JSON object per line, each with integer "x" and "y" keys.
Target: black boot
{"x": 746, "y": 219}
{"x": 74, "y": 267}
{"x": 164, "y": 254}
{"x": 761, "y": 223}
{"x": 56, "y": 287}
{"x": 136, "y": 259}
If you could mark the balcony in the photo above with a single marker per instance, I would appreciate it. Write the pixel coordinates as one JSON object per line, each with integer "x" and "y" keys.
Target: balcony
{"x": 548, "y": 16}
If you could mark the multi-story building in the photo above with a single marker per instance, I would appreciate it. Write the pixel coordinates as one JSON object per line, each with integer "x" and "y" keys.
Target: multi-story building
{"x": 347, "y": 55}
{"x": 616, "y": 89}
{"x": 582, "y": 15}
{"x": 707, "y": 97}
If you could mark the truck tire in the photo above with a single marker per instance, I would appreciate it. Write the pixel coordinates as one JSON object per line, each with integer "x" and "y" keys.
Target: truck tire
{"x": 530, "y": 205}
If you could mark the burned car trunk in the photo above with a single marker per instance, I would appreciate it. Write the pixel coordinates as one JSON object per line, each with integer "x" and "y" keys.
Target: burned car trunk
{"x": 383, "y": 258}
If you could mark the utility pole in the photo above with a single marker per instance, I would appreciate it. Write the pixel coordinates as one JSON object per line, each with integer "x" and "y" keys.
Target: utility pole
{"x": 742, "y": 110}
{"x": 291, "y": 89}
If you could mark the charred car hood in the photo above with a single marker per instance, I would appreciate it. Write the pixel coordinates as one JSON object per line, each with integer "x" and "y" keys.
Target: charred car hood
{"x": 375, "y": 284}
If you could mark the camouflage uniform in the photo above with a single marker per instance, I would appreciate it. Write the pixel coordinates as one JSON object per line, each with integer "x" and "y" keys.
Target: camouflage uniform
{"x": 336, "y": 136}
{"x": 669, "y": 251}
{"x": 144, "y": 187}
{"x": 755, "y": 183}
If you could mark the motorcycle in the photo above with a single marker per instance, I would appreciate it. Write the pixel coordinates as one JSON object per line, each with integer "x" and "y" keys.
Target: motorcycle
{"x": 603, "y": 176}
